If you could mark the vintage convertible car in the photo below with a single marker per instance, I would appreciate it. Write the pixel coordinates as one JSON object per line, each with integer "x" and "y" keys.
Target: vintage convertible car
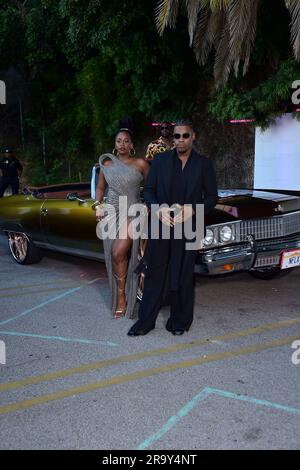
{"x": 249, "y": 230}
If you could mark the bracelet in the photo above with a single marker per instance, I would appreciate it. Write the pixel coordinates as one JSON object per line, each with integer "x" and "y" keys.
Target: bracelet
{"x": 96, "y": 204}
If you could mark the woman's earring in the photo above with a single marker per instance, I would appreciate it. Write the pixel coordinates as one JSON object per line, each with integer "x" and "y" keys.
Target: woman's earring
{"x": 132, "y": 152}
{"x": 115, "y": 152}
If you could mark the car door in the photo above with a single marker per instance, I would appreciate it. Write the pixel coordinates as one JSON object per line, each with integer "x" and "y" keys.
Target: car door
{"x": 69, "y": 224}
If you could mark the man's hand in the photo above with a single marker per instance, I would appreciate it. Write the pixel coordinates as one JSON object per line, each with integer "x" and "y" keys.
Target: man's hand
{"x": 164, "y": 215}
{"x": 184, "y": 214}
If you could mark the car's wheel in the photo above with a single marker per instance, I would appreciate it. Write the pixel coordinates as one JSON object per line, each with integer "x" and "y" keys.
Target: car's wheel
{"x": 269, "y": 273}
{"x": 23, "y": 249}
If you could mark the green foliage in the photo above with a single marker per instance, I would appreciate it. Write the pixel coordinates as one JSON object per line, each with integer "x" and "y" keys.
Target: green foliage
{"x": 87, "y": 63}
{"x": 12, "y": 30}
{"x": 269, "y": 99}
{"x": 131, "y": 70}
{"x": 44, "y": 35}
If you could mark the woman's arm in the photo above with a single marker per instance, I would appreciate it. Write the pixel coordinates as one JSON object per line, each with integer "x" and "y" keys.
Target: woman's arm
{"x": 100, "y": 189}
{"x": 144, "y": 167}
{"x": 99, "y": 197}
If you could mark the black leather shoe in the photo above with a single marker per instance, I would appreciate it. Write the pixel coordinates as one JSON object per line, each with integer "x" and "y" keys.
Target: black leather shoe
{"x": 138, "y": 332}
{"x": 177, "y": 332}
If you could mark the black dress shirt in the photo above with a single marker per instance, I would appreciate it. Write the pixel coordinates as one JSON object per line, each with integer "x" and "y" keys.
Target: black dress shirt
{"x": 180, "y": 181}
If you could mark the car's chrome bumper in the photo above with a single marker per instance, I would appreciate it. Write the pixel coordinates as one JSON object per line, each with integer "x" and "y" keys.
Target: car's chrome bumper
{"x": 245, "y": 256}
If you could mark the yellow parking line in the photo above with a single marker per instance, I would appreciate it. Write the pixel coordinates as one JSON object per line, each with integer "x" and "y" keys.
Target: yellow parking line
{"x": 143, "y": 354}
{"x": 120, "y": 379}
{"x": 19, "y": 294}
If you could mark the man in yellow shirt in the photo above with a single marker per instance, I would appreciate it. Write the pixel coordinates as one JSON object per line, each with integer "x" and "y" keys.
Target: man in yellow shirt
{"x": 163, "y": 143}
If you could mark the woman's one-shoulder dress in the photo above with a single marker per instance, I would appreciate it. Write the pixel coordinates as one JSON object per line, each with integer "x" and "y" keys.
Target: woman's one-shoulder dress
{"x": 122, "y": 180}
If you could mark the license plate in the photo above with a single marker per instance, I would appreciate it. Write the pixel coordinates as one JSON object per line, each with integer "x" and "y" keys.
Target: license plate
{"x": 290, "y": 259}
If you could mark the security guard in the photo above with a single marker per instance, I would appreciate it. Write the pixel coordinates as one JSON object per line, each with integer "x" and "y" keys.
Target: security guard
{"x": 10, "y": 172}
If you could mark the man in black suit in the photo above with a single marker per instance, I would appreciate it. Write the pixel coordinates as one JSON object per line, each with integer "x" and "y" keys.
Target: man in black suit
{"x": 183, "y": 179}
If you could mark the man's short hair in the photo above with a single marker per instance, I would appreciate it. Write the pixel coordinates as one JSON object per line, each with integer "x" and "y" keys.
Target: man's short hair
{"x": 184, "y": 122}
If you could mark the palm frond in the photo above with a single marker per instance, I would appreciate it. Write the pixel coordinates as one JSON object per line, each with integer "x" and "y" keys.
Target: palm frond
{"x": 202, "y": 39}
{"x": 250, "y": 35}
{"x": 166, "y": 14}
{"x": 228, "y": 26}
{"x": 242, "y": 18}
{"x": 193, "y": 8}
{"x": 223, "y": 60}
{"x": 294, "y": 8}
{"x": 218, "y": 4}
{"x": 208, "y": 32}
{"x": 238, "y": 19}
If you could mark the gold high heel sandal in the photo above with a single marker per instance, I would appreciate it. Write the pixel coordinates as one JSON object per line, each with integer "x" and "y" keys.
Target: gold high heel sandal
{"x": 120, "y": 312}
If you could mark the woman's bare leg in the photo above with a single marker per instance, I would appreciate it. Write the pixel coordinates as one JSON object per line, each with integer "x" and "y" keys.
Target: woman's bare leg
{"x": 120, "y": 249}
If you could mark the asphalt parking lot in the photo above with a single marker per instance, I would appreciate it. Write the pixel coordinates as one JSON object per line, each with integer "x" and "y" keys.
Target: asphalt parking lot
{"x": 73, "y": 379}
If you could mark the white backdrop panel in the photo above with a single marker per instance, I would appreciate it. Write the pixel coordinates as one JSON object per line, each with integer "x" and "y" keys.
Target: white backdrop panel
{"x": 277, "y": 155}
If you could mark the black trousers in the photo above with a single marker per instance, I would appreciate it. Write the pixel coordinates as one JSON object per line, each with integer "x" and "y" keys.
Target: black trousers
{"x": 5, "y": 182}
{"x": 181, "y": 300}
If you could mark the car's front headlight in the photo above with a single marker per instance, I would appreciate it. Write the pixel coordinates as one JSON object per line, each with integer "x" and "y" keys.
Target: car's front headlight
{"x": 209, "y": 237}
{"x": 226, "y": 234}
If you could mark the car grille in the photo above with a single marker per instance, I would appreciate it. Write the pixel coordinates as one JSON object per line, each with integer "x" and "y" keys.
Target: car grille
{"x": 270, "y": 227}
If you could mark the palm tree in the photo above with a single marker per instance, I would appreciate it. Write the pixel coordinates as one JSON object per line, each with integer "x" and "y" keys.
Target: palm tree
{"x": 227, "y": 26}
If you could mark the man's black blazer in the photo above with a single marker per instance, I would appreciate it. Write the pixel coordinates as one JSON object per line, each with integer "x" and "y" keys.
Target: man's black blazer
{"x": 202, "y": 187}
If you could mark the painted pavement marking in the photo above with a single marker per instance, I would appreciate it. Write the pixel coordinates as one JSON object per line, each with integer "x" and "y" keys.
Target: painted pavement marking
{"x": 117, "y": 380}
{"x": 143, "y": 354}
{"x": 40, "y": 291}
{"x": 53, "y": 299}
{"x": 58, "y": 338}
{"x": 30, "y": 286}
{"x": 186, "y": 409}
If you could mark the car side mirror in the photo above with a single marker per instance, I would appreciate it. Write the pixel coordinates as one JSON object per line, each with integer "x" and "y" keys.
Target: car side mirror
{"x": 74, "y": 197}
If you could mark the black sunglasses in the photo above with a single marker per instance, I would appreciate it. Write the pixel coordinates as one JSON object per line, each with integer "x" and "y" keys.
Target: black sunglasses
{"x": 186, "y": 135}
{"x": 165, "y": 127}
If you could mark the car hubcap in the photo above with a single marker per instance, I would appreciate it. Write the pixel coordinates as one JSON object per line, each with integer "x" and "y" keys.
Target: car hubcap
{"x": 18, "y": 244}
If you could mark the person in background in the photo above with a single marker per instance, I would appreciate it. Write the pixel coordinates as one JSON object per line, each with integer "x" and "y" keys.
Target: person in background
{"x": 163, "y": 143}
{"x": 10, "y": 172}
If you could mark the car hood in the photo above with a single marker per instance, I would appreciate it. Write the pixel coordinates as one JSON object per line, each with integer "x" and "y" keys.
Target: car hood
{"x": 249, "y": 204}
